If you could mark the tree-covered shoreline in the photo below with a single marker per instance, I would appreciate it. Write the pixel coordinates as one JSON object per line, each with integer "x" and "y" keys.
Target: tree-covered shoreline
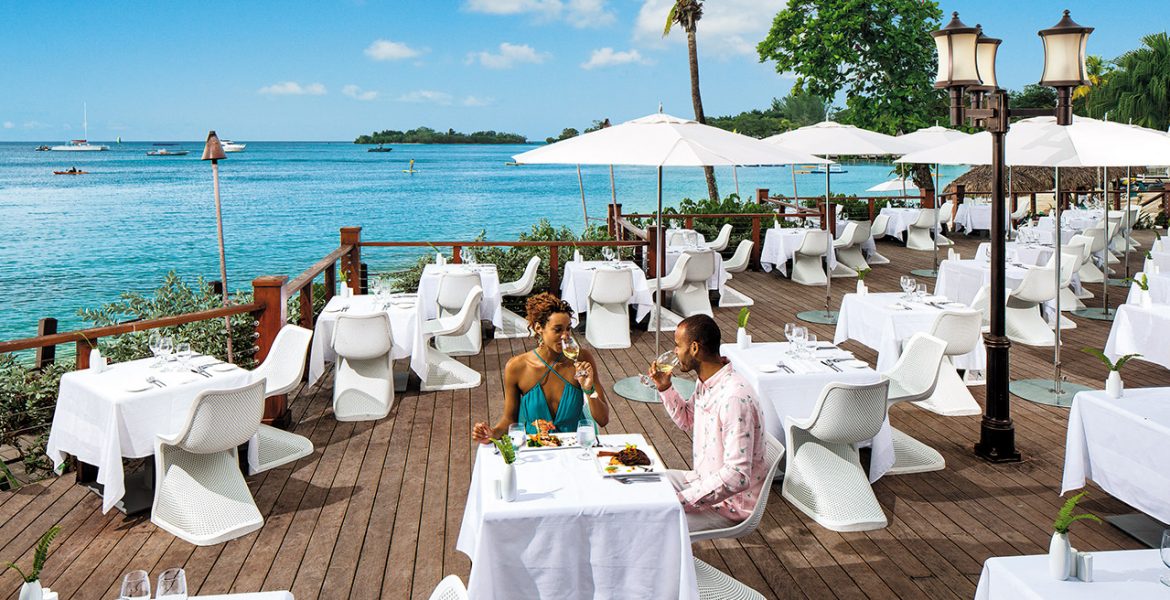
{"x": 426, "y": 135}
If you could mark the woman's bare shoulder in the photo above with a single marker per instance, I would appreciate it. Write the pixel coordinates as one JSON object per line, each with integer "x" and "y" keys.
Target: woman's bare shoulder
{"x": 517, "y": 365}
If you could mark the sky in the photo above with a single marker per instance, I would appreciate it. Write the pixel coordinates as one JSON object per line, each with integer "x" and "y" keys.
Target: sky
{"x": 333, "y": 69}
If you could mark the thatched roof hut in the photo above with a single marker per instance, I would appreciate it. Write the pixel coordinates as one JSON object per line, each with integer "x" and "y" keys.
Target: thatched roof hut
{"x": 1036, "y": 179}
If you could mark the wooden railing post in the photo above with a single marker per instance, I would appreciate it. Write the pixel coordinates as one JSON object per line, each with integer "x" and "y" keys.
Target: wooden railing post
{"x": 872, "y": 206}
{"x": 1032, "y": 203}
{"x": 457, "y": 254}
{"x": 690, "y": 221}
{"x": 554, "y": 268}
{"x": 831, "y": 218}
{"x": 306, "y": 299}
{"x": 609, "y": 221}
{"x": 330, "y": 281}
{"x": 960, "y": 191}
{"x": 761, "y": 195}
{"x": 352, "y": 236}
{"x": 619, "y": 231}
{"x": 652, "y": 249}
{"x": 268, "y": 293}
{"x": 83, "y": 348}
{"x": 46, "y": 354}
{"x": 755, "y": 260}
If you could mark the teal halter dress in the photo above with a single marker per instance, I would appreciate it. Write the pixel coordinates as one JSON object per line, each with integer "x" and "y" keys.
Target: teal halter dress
{"x": 534, "y": 405}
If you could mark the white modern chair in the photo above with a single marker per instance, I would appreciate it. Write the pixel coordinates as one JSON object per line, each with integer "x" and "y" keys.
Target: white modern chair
{"x": 1019, "y": 215}
{"x": 200, "y": 496}
{"x": 443, "y": 371}
{"x": 515, "y": 326}
{"x": 918, "y": 233}
{"x": 807, "y": 267}
{"x": 944, "y": 224}
{"x": 960, "y": 329}
{"x": 454, "y": 288}
{"x": 1094, "y": 239}
{"x": 1132, "y": 217}
{"x": 773, "y": 452}
{"x": 281, "y": 370}
{"x": 914, "y": 378}
{"x": 450, "y": 588}
{"x": 877, "y": 231}
{"x": 823, "y": 477}
{"x": 682, "y": 237}
{"x": 672, "y": 281}
{"x": 363, "y": 386}
{"x": 1024, "y": 319}
{"x": 848, "y": 249}
{"x": 714, "y": 584}
{"x": 692, "y": 298}
{"x": 719, "y": 244}
{"x": 1086, "y": 259}
{"x": 1070, "y": 257}
{"x": 738, "y": 263}
{"x": 1111, "y": 233}
{"x": 607, "y": 324}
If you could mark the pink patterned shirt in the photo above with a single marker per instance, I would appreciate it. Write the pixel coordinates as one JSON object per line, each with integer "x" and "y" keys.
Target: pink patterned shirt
{"x": 728, "y": 444}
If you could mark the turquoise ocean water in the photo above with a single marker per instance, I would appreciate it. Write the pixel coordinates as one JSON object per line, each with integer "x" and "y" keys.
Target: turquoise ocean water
{"x": 78, "y": 241}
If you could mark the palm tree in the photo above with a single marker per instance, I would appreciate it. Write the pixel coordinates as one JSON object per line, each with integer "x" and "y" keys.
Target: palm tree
{"x": 1097, "y": 70}
{"x": 1139, "y": 90}
{"x": 686, "y": 13}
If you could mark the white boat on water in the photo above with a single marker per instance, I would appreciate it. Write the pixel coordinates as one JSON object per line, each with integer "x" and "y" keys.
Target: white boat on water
{"x": 81, "y": 145}
{"x": 230, "y": 146}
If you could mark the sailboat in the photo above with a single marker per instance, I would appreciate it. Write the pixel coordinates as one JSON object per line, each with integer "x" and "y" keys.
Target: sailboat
{"x": 81, "y": 145}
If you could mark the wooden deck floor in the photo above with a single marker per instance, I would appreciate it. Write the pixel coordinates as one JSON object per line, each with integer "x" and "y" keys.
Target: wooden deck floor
{"x": 375, "y": 511}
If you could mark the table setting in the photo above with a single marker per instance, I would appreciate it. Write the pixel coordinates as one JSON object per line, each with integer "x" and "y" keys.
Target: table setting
{"x": 960, "y": 280}
{"x": 578, "y": 279}
{"x": 717, "y": 279}
{"x": 404, "y": 310}
{"x": 1119, "y": 574}
{"x": 781, "y": 243}
{"x": 490, "y": 308}
{"x": 1020, "y": 252}
{"x": 900, "y": 219}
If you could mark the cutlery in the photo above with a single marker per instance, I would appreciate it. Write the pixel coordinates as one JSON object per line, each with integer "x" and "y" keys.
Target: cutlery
{"x": 638, "y": 479}
{"x": 786, "y": 368}
{"x": 200, "y": 371}
{"x": 831, "y": 365}
{"x": 154, "y": 381}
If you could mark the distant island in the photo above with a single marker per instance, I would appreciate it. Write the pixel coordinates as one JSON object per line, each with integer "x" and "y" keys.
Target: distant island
{"x": 426, "y": 135}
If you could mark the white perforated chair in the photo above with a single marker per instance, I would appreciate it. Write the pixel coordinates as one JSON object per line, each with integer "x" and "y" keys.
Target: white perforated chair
{"x": 200, "y": 496}
{"x": 443, "y": 371}
{"x": 738, "y": 263}
{"x": 450, "y": 588}
{"x": 281, "y": 370}
{"x": 672, "y": 281}
{"x": 608, "y": 322}
{"x": 1024, "y": 319}
{"x": 918, "y": 233}
{"x": 807, "y": 267}
{"x": 454, "y": 288}
{"x": 912, "y": 379}
{"x": 1068, "y": 300}
{"x": 877, "y": 230}
{"x": 1091, "y": 272}
{"x": 682, "y": 237}
{"x": 773, "y": 452}
{"x": 848, "y": 249}
{"x": 1085, "y": 265}
{"x": 515, "y": 326}
{"x": 714, "y": 584}
{"x": 719, "y": 244}
{"x": 960, "y": 330}
{"x": 692, "y": 298}
{"x": 823, "y": 477}
{"x": 363, "y": 386}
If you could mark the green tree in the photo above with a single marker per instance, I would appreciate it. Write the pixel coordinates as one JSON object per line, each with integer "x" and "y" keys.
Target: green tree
{"x": 1139, "y": 90}
{"x": 879, "y": 53}
{"x": 802, "y": 109}
{"x": 686, "y": 14}
{"x": 1033, "y": 96}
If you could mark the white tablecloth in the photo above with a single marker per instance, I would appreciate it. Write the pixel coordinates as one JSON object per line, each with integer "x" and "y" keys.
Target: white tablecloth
{"x": 1142, "y": 331}
{"x": 1047, "y": 235}
{"x": 718, "y": 278}
{"x": 900, "y": 219}
{"x": 404, "y": 331}
{"x": 875, "y": 321}
{"x": 780, "y": 244}
{"x": 1028, "y": 254}
{"x": 572, "y": 534}
{"x": 1162, "y": 260}
{"x": 490, "y": 309}
{"x": 579, "y": 278}
{"x": 699, "y": 238}
{"x": 784, "y": 394}
{"x": 960, "y": 280}
{"x": 1121, "y": 444}
{"x": 98, "y": 421}
{"x": 1117, "y": 575}
{"x": 1075, "y": 218}
{"x": 1159, "y": 288}
{"x": 973, "y": 216}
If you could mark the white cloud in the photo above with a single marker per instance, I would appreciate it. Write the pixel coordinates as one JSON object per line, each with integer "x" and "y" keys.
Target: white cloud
{"x": 388, "y": 50}
{"x": 608, "y": 57}
{"x": 476, "y": 101}
{"x": 9, "y": 124}
{"x": 358, "y": 93}
{"x": 578, "y": 13}
{"x": 509, "y": 56}
{"x": 292, "y": 88}
{"x": 428, "y": 96}
{"x": 728, "y": 28}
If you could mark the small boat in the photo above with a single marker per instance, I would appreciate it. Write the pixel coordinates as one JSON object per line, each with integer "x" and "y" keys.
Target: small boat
{"x": 833, "y": 169}
{"x": 165, "y": 152}
{"x": 71, "y": 171}
{"x": 42, "y": 148}
{"x": 380, "y": 148}
{"x": 230, "y": 146}
{"x": 81, "y": 145}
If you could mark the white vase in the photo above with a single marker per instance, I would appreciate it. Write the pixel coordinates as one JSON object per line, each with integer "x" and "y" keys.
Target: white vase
{"x": 508, "y": 483}
{"x": 346, "y": 292}
{"x": 861, "y": 289}
{"x": 1113, "y": 385}
{"x": 1058, "y": 556}
{"x": 1145, "y": 299}
{"x": 742, "y": 339}
{"x": 31, "y": 590}
{"x": 1148, "y": 266}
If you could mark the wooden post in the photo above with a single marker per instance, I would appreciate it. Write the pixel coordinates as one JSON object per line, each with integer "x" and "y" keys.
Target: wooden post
{"x": 619, "y": 231}
{"x": 609, "y": 221}
{"x": 652, "y": 250}
{"x": 46, "y": 354}
{"x": 1166, "y": 200}
{"x": 307, "y": 306}
{"x": 831, "y": 218}
{"x": 872, "y": 206}
{"x": 554, "y": 267}
{"x": 352, "y": 236}
{"x": 457, "y": 254}
{"x": 957, "y": 199}
{"x": 1032, "y": 202}
{"x": 330, "y": 281}
{"x": 268, "y": 292}
{"x": 754, "y": 263}
{"x": 690, "y": 221}
{"x": 83, "y": 348}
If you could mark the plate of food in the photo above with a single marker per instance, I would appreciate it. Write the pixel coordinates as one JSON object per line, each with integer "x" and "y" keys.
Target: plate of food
{"x": 546, "y": 439}
{"x": 628, "y": 460}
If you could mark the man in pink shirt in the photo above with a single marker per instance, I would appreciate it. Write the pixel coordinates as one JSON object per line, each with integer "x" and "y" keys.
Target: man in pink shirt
{"x": 727, "y": 430}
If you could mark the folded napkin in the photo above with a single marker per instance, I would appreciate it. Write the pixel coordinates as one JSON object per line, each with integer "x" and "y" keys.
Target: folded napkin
{"x": 800, "y": 366}
{"x": 824, "y": 353}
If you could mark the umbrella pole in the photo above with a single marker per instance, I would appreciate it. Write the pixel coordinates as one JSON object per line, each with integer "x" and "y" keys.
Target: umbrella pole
{"x": 829, "y": 228}
{"x": 227, "y": 322}
{"x": 1126, "y": 219}
{"x": 735, "y": 174}
{"x": 793, "y": 169}
{"x": 934, "y": 267}
{"x": 1056, "y": 246}
{"x": 1105, "y": 253}
{"x": 660, "y": 261}
{"x": 584, "y": 211}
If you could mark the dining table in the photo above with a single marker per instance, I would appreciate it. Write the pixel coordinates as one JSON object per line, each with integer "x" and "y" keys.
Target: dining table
{"x": 718, "y": 277}
{"x": 490, "y": 308}
{"x": 1117, "y": 575}
{"x": 1140, "y": 330}
{"x": 578, "y": 280}
{"x": 781, "y": 244}
{"x": 886, "y": 321}
{"x": 406, "y": 336}
{"x": 900, "y": 219}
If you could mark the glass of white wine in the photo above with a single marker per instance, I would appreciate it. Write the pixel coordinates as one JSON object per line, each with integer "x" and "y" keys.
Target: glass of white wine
{"x": 665, "y": 363}
{"x": 571, "y": 349}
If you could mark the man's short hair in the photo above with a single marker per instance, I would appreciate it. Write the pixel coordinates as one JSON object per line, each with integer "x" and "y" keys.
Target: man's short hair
{"x": 703, "y": 330}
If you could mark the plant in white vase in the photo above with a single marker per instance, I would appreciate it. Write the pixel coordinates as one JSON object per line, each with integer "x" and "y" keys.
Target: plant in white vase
{"x": 508, "y": 453}
{"x": 861, "y": 274}
{"x": 1143, "y": 291}
{"x": 1113, "y": 385}
{"x": 742, "y": 339}
{"x": 1060, "y": 551}
{"x": 31, "y": 589}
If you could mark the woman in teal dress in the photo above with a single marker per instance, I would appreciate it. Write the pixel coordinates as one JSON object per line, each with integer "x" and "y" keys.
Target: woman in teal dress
{"x": 543, "y": 383}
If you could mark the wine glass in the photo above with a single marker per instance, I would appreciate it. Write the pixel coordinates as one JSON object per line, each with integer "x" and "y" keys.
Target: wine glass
{"x": 905, "y": 279}
{"x": 517, "y": 433}
{"x": 665, "y": 363}
{"x": 172, "y": 585}
{"x": 810, "y": 344}
{"x": 166, "y": 351}
{"x": 136, "y": 586}
{"x": 183, "y": 351}
{"x": 790, "y": 335}
{"x": 154, "y": 342}
{"x": 607, "y": 253}
{"x": 920, "y": 293}
{"x": 1165, "y": 551}
{"x": 586, "y": 436}
{"x": 571, "y": 349}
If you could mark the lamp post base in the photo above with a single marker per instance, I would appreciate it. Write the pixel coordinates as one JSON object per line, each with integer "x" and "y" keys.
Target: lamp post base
{"x": 820, "y": 317}
{"x": 632, "y": 388}
{"x": 924, "y": 273}
{"x": 991, "y": 452}
{"x": 1096, "y": 313}
{"x": 1119, "y": 282}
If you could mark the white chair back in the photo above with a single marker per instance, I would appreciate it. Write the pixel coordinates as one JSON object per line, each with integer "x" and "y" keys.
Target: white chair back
{"x": 959, "y": 328}
{"x": 700, "y": 267}
{"x": 916, "y": 372}
{"x": 362, "y": 337}
{"x": 739, "y": 260}
{"x": 849, "y": 413}
{"x": 773, "y": 453}
{"x": 1077, "y": 249}
{"x": 285, "y": 363}
{"x": 220, "y": 420}
{"x": 450, "y": 588}
{"x": 816, "y": 243}
{"x": 611, "y": 286}
{"x": 523, "y": 286}
{"x": 1097, "y": 236}
{"x": 454, "y": 288}
{"x": 878, "y": 228}
{"x": 925, "y": 219}
{"x": 676, "y": 277}
{"x": 722, "y": 239}
{"x": 1039, "y": 285}
{"x": 468, "y": 314}
{"x": 682, "y": 237}
{"x": 848, "y": 236}
{"x": 860, "y": 234}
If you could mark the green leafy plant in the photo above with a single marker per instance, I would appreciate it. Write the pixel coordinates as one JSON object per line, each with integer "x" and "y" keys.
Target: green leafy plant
{"x": 507, "y": 450}
{"x": 39, "y": 556}
{"x": 742, "y": 319}
{"x": 862, "y": 273}
{"x": 1143, "y": 283}
{"x": 1149, "y": 255}
{"x": 1112, "y": 366}
{"x": 1065, "y": 518}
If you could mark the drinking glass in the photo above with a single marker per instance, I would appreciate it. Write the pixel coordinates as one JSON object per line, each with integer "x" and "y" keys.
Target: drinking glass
{"x": 154, "y": 342}
{"x": 790, "y": 334}
{"x": 903, "y": 281}
{"x": 166, "y": 351}
{"x": 607, "y": 252}
{"x": 1165, "y": 555}
{"x": 172, "y": 585}
{"x": 183, "y": 351}
{"x": 920, "y": 293}
{"x": 586, "y": 436}
{"x": 136, "y": 586}
{"x": 810, "y": 345}
{"x": 799, "y": 335}
{"x": 517, "y": 433}
{"x": 666, "y": 362}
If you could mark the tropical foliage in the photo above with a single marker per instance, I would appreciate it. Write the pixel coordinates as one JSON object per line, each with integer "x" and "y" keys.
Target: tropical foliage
{"x": 426, "y": 135}
{"x": 40, "y": 555}
{"x": 792, "y": 111}
{"x": 1065, "y": 518}
{"x": 686, "y": 14}
{"x": 1109, "y": 364}
{"x": 1138, "y": 91}
{"x": 1033, "y": 96}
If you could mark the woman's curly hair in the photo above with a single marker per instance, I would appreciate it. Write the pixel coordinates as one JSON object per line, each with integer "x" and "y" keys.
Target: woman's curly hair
{"x": 542, "y": 306}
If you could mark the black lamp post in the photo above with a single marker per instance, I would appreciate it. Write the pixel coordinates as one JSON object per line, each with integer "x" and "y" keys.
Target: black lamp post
{"x": 966, "y": 63}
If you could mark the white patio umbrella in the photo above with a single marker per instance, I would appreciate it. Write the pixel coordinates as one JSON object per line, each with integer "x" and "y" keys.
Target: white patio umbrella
{"x": 900, "y": 184}
{"x": 661, "y": 140}
{"x": 930, "y": 137}
{"x": 828, "y": 139}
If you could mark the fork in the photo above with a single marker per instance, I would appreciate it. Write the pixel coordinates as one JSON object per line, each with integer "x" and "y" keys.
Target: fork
{"x": 640, "y": 478}
{"x": 154, "y": 381}
{"x": 831, "y": 365}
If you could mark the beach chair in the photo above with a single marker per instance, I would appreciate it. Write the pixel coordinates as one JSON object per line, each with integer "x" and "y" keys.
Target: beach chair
{"x": 608, "y": 322}
{"x": 281, "y": 370}
{"x": 807, "y": 267}
{"x": 450, "y": 588}
{"x": 691, "y": 298}
{"x": 823, "y": 477}
{"x": 848, "y": 250}
{"x": 515, "y": 326}
{"x": 200, "y": 495}
{"x": 363, "y": 383}
{"x": 1024, "y": 321}
{"x": 960, "y": 329}
{"x": 773, "y": 452}
{"x": 738, "y": 263}
{"x": 719, "y": 244}
{"x": 672, "y": 281}
{"x": 443, "y": 371}
{"x": 453, "y": 290}
{"x": 914, "y": 378}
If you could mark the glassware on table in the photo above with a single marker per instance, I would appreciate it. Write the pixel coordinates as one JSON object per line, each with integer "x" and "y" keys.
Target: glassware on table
{"x": 608, "y": 253}
{"x": 184, "y": 352}
{"x": 909, "y": 284}
{"x": 469, "y": 256}
{"x": 920, "y": 293}
{"x": 172, "y": 585}
{"x": 1165, "y": 552}
{"x": 586, "y": 436}
{"x": 154, "y": 342}
{"x": 799, "y": 335}
{"x": 136, "y": 586}
{"x": 665, "y": 363}
{"x": 790, "y": 335}
{"x": 810, "y": 345}
{"x": 166, "y": 350}
{"x": 902, "y": 281}
{"x": 518, "y": 434}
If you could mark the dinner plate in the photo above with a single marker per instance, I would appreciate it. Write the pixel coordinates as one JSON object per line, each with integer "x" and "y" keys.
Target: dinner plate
{"x": 568, "y": 440}
{"x": 222, "y": 367}
{"x": 852, "y": 364}
{"x": 607, "y": 470}
{"x": 333, "y": 309}
{"x": 138, "y": 386}
{"x": 767, "y": 368}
